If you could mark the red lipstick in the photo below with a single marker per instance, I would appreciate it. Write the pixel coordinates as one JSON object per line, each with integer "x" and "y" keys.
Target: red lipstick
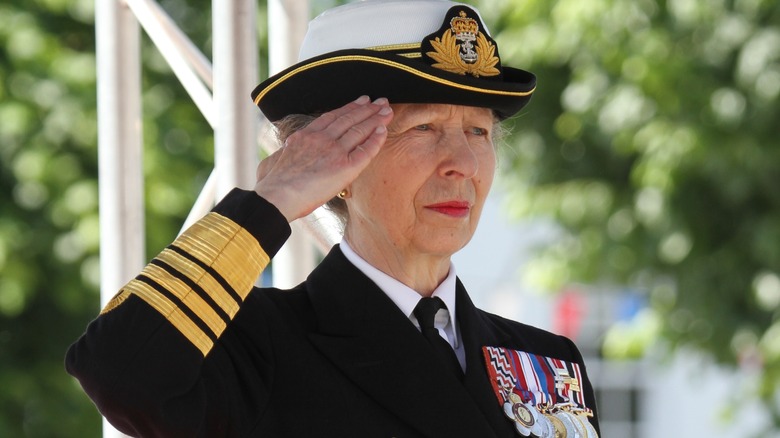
{"x": 451, "y": 208}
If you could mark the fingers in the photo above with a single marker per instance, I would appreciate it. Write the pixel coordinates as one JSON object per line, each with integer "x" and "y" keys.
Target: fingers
{"x": 326, "y": 119}
{"x": 353, "y": 123}
{"x": 360, "y": 132}
{"x": 324, "y": 157}
{"x": 370, "y": 147}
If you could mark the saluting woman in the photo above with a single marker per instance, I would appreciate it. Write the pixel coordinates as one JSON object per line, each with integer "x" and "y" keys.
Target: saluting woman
{"x": 390, "y": 119}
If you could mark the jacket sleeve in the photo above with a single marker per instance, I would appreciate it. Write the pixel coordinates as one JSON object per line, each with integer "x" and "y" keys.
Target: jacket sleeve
{"x": 152, "y": 361}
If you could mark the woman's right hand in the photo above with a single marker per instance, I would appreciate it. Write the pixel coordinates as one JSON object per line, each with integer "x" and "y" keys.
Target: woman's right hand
{"x": 323, "y": 158}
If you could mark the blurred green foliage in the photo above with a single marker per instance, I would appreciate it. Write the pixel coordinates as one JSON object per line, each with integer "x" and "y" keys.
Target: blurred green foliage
{"x": 651, "y": 139}
{"x": 48, "y": 225}
{"x": 49, "y": 237}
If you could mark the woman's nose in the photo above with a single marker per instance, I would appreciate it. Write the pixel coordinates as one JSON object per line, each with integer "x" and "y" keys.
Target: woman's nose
{"x": 459, "y": 159}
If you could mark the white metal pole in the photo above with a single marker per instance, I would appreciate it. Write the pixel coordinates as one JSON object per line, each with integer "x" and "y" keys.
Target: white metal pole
{"x": 187, "y": 63}
{"x": 287, "y": 21}
{"x": 167, "y": 36}
{"x": 119, "y": 151}
{"x": 235, "y": 75}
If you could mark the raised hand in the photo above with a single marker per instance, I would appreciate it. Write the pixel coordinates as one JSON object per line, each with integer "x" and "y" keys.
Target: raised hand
{"x": 320, "y": 160}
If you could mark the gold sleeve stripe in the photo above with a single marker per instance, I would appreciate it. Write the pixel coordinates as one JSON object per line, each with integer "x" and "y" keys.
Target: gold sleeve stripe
{"x": 190, "y": 298}
{"x": 227, "y": 248}
{"x": 222, "y": 245}
{"x": 116, "y": 301}
{"x": 173, "y": 314}
{"x": 202, "y": 278}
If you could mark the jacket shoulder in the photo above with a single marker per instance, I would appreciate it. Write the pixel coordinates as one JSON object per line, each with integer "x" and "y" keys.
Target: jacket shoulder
{"x": 532, "y": 339}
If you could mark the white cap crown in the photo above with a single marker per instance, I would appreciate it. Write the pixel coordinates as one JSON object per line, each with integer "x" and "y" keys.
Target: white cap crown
{"x": 373, "y": 23}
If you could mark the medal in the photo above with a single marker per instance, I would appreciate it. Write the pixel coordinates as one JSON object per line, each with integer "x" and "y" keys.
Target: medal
{"x": 538, "y": 427}
{"x": 560, "y": 428}
{"x": 524, "y": 418}
{"x": 542, "y": 396}
{"x": 571, "y": 430}
{"x": 591, "y": 431}
{"x": 546, "y": 428}
{"x": 568, "y": 392}
{"x": 533, "y": 382}
{"x": 576, "y": 420}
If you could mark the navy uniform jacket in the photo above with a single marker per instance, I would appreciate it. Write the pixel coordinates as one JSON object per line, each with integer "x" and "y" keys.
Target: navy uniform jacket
{"x": 171, "y": 355}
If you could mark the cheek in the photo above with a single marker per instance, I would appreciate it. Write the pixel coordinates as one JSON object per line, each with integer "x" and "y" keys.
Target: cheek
{"x": 401, "y": 193}
{"x": 389, "y": 191}
{"x": 403, "y": 177}
{"x": 487, "y": 170}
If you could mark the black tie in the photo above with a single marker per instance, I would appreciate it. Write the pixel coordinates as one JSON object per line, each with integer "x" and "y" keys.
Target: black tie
{"x": 425, "y": 312}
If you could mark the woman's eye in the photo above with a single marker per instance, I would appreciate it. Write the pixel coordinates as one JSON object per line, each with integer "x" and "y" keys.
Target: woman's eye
{"x": 423, "y": 127}
{"x": 479, "y": 131}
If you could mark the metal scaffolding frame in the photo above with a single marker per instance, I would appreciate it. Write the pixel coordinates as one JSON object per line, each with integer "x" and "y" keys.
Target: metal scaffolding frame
{"x": 221, "y": 95}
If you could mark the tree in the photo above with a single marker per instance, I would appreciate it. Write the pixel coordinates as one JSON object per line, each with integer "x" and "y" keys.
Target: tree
{"x": 48, "y": 191}
{"x": 652, "y": 139}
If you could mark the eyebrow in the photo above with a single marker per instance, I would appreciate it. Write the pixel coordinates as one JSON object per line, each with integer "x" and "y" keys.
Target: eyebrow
{"x": 410, "y": 110}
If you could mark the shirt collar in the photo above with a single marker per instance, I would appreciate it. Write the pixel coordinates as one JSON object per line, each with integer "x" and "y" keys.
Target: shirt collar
{"x": 402, "y": 295}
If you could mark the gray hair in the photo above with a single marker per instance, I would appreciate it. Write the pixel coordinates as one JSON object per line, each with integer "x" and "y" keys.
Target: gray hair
{"x": 288, "y": 125}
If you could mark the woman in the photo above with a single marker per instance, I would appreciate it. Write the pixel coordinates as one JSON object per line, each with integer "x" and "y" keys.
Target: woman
{"x": 382, "y": 339}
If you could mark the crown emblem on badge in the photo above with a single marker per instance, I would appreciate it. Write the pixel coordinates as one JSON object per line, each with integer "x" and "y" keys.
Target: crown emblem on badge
{"x": 463, "y": 25}
{"x": 461, "y": 48}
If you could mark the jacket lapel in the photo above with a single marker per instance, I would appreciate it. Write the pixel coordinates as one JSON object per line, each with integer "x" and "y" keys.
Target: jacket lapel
{"x": 478, "y": 331}
{"x": 364, "y": 334}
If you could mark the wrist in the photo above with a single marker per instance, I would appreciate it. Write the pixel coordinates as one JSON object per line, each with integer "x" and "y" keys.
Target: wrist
{"x": 280, "y": 200}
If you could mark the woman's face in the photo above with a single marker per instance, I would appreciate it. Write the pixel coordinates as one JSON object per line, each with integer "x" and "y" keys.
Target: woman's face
{"x": 424, "y": 192}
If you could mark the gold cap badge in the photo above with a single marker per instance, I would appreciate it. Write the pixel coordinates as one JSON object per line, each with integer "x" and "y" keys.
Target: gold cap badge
{"x": 459, "y": 46}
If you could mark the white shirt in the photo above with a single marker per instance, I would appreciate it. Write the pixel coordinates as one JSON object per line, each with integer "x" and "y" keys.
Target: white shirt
{"x": 407, "y": 298}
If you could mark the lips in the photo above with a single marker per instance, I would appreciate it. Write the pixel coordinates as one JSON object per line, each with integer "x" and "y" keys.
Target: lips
{"x": 451, "y": 208}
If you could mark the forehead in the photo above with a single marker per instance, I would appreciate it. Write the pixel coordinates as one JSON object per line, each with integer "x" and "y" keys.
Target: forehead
{"x": 440, "y": 111}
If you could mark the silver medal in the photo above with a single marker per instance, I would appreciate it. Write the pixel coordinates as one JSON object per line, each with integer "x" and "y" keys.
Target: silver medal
{"x": 578, "y": 424}
{"x": 568, "y": 423}
{"x": 546, "y": 428}
{"x": 590, "y": 430}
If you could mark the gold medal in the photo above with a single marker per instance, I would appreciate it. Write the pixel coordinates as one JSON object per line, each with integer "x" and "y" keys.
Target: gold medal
{"x": 558, "y": 426}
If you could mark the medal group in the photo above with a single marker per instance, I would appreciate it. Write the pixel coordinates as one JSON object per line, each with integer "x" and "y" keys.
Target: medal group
{"x": 541, "y": 395}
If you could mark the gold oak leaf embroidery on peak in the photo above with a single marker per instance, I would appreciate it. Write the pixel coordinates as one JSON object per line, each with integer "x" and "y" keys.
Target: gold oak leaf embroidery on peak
{"x": 447, "y": 56}
{"x": 487, "y": 59}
